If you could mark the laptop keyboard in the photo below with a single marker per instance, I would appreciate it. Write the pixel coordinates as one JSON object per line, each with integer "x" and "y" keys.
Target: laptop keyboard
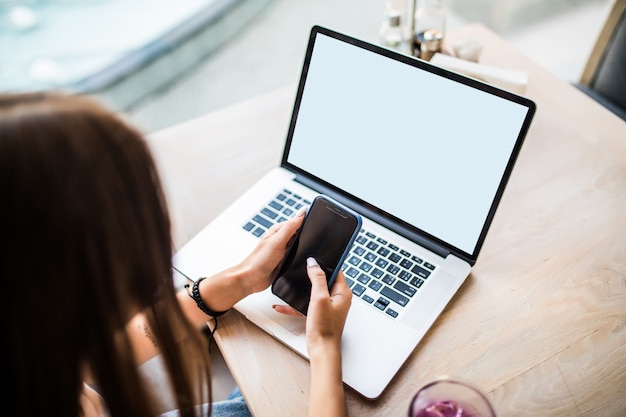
{"x": 379, "y": 272}
{"x": 279, "y": 209}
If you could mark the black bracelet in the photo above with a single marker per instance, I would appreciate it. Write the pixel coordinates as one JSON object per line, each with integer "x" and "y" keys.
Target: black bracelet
{"x": 195, "y": 295}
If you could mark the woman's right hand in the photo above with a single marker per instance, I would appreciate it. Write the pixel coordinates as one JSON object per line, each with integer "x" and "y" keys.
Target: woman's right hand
{"x": 327, "y": 311}
{"x": 325, "y": 321}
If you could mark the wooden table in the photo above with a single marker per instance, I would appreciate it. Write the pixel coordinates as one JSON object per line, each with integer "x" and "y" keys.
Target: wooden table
{"x": 540, "y": 324}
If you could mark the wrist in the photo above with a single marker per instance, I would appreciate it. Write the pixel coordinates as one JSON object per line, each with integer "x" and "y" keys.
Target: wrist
{"x": 220, "y": 292}
{"x": 194, "y": 292}
{"x": 324, "y": 351}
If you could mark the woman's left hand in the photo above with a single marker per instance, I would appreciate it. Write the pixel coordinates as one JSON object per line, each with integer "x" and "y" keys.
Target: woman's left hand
{"x": 261, "y": 265}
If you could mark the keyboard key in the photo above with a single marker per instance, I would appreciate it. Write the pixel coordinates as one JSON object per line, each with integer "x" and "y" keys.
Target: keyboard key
{"x": 375, "y": 285}
{"x": 429, "y": 266}
{"x": 381, "y": 303}
{"x": 281, "y": 219}
{"x": 307, "y": 202}
{"x": 269, "y": 213}
{"x": 363, "y": 278}
{"x": 281, "y": 197}
{"x": 297, "y": 197}
{"x": 370, "y": 257}
{"x": 370, "y": 235}
{"x": 365, "y": 267}
{"x": 372, "y": 245}
{"x": 388, "y": 279}
{"x": 381, "y": 241}
{"x": 286, "y": 191}
{"x": 258, "y": 232}
{"x": 393, "y": 247}
{"x": 417, "y": 259}
{"x": 416, "y": 282}
{"x": 405, "y": 253}
{"x": 420, "y": 271}
{"x": 359, "y": 250}
{"x": 352, "y": 272}
{"x": 383, "y": 251}
{"x": 381, "y": 262}
{"x": 394, "y": 296}
{"x": 262, "y": 221}
{"x": 276, "y": 205}
{"x": 349, "y": 282}
{"x": 406, "y": 264}
{"x": 288, "y": 212}
{"x": 358, "y": 290}
{"x": 404, "y": 275}
{"x": 394, "y": 257}
{"x": 405, "y": 289}
{"x": 354, "y": 260}
{"x": 393, "y": 269}
{"x": 368, "y": 299}
{"x": 377, "y": 273}
{"x": 392, "y": 313}
{"x": 248, "y": 226}
{"x": 362, "y": 240}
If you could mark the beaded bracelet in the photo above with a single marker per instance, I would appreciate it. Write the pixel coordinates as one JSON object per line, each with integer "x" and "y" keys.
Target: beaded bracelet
{"x": 195, "y": 295}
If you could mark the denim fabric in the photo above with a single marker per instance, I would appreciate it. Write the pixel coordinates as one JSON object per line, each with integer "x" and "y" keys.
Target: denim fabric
{"x": 233, "y": 406}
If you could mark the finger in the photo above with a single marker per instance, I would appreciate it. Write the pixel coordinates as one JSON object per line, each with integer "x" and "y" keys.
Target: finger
{"x": 340, "y": 286}
{"x": 319, "y": 286}
{"x": 287, "y": 229}
{"x": 287, "y": 310}
{"x": 272, "y": 230}
{"x": 340, "y": 292}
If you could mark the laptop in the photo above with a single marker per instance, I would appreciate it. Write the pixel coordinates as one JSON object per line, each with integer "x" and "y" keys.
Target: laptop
{"x": 422, "y": 153}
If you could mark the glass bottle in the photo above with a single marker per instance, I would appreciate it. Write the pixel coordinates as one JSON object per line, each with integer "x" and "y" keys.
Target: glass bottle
{"x": 430, "y": 15}
{"x": 394, "y": 33}
{"x": 431, "y": 44}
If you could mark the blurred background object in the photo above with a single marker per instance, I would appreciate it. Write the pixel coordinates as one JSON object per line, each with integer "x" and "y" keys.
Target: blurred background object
{"x": 120, "y": 50}
{"x": 163, "y": 62}
{"x": 604, "y": 75}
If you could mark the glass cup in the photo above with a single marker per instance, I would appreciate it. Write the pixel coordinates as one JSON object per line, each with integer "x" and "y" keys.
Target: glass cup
{"x": 450, "y": 398}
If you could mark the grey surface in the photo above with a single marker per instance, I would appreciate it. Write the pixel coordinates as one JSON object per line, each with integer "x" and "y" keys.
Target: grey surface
{"x": 268, "y": 53}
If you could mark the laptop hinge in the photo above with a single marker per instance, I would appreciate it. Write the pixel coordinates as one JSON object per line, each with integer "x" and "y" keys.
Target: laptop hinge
{"x": 364, "y": 210}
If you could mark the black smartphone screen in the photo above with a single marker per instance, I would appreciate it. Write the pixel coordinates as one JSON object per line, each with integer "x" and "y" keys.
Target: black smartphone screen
{"x": 326, "y": 234}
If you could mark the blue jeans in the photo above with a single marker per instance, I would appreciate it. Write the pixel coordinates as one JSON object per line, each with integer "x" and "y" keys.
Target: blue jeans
{"x": 233, "y": 406}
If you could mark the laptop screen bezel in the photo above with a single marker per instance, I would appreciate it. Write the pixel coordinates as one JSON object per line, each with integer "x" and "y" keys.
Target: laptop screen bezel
{"x": 386, "y": 219}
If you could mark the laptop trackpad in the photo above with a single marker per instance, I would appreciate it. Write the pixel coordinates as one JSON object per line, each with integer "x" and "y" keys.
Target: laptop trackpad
{"x": 258, "y": 309}
{"x": 296, "y": 325}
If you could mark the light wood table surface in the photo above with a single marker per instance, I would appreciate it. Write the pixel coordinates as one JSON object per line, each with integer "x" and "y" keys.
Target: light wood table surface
{"x": 540, "y": 324}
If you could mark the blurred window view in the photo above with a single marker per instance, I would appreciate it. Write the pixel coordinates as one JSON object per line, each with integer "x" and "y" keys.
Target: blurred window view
{"x": 87, "y": 46}
{"x": 205, "y": 54}
{"x": 47, "y": 44}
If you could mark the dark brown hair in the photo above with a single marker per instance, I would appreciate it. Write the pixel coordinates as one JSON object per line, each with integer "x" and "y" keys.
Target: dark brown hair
{"x": 85, "y": 245}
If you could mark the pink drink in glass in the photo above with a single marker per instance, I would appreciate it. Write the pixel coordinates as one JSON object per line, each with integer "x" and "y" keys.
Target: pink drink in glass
{"x": 449, "y": 398}
{"x": 446, "y": 408}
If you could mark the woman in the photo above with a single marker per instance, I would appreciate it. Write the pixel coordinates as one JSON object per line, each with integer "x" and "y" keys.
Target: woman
{"x": 86, "y": 258}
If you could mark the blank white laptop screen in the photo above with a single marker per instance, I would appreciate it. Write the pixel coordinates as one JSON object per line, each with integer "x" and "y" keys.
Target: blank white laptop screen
{"x": 425, "y": 149}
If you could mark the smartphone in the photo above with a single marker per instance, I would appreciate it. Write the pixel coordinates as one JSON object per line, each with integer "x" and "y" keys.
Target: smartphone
{"x": 327, "y": 234}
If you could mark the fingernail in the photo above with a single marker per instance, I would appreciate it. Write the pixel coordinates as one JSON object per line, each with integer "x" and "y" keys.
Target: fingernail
{"x": 274, "y": 306}
{"x": 311, "y": 262}
{"x": 301, "y": 212}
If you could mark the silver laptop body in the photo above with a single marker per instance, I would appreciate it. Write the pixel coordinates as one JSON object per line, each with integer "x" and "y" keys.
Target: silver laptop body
{"x": 423, "y": 154}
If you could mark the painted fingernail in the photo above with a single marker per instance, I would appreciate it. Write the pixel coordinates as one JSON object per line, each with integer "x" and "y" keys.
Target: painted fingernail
{"x": 311, "y": 262}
